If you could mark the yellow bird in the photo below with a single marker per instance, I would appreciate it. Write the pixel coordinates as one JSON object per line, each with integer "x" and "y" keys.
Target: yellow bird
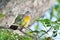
{"x": 25, "y": 21}
{"x": 22, "y": 21}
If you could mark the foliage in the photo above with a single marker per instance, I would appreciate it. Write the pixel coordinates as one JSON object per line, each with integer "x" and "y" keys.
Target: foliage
{"x": 9, "y": 35}
{"x": 53, "y": 24}
{"x": 58, "y": 1}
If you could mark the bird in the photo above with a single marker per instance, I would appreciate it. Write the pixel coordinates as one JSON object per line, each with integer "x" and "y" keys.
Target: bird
{"x": 22, "y": 21}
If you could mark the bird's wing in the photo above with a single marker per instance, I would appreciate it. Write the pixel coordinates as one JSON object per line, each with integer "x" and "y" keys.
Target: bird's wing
{"x": 19, "y": 18}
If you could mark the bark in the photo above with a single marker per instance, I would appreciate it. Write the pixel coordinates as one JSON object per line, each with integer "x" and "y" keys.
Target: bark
{"x": 14, "y": 7}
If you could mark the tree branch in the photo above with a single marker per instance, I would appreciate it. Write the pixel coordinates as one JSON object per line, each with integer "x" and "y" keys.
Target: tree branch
{"x": 26, "y": 34}
{"x": 47, "y": 32}
{"x": 1, "y": 27}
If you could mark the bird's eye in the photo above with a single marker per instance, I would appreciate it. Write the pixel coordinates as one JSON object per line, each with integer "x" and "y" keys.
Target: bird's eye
{"x": 27, "y": 12}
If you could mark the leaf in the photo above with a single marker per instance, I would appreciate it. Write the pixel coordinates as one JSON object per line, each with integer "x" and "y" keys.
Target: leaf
{"x": 30, "y": 32}
{"x": 1, "y": 15}
{"x": 54, "y": 33}
{"x": 58, "y": 17}
{"x": 56, "y": 27}
{"x": 9, "y": 35}
{"x": 43, "y": 31}
{"x": 51, "y": 13}
{"x": 36, "y": 31}
{"x": 58, "y": 1}
{"x": 39, "y": 20}
{"x": 57, "y": 8}
{"x": 55, "y": 22}
{"x": 37, "y": 27}
{"x": 47, "y": 22}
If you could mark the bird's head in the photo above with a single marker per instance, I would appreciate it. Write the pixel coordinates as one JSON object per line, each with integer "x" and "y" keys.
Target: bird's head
{"x": 27, "y": 13}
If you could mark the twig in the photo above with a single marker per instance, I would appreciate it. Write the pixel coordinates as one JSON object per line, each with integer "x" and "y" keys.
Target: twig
{"x": 26, "y": 34}
{"x": 29, "y": 29}
{"x": 36, "y": 36}
{"x": 47, "y": 32}
{"x": 1, "y": 27}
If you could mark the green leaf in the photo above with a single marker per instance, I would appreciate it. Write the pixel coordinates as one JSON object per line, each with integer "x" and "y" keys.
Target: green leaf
{"x": 1, "y": 15}
{"x": 30, "y": 32}
{"x": 54, "y": 33}
{"x": 56, "y": 27}
{"x": 47, "y": 22}
{"x": 43, "y": 31}
{"x": 35, "y": 31}
{"x": 55, "y": 22}
{"x": 9, "y": 35}
{"x": 51, "y": 13}
{"x": 58, "y": 1}
{"x": 57, "y": 8}
{"x": 39, "y": 20}
{"x": 58, "y": 17}
{"x": 37, "y": 27}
